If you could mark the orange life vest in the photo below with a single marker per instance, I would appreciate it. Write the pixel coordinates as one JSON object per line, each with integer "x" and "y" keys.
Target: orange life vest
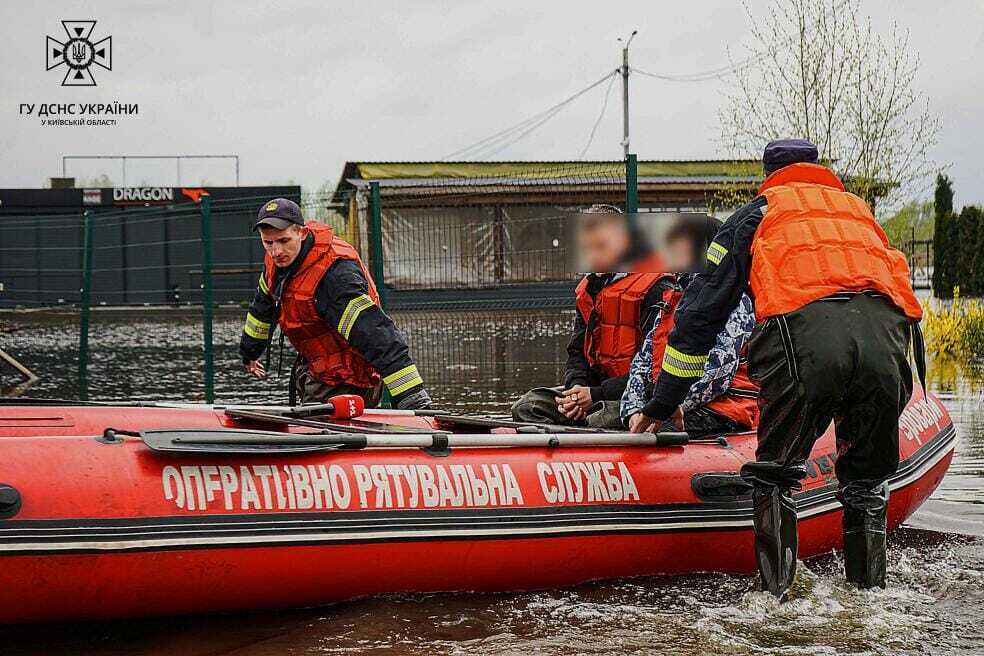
{"x": 612, "y": 316}
{"x": 330, "y": 358}
{"x": 817, "y": 239}
{"x": 739, "y": 403}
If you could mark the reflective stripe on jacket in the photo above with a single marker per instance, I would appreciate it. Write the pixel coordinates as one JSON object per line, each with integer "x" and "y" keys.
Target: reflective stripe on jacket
{"x": 330, "y": 357}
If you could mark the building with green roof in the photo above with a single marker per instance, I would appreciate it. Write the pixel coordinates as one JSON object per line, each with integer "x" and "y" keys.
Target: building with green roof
{"x": 487, "y": 225}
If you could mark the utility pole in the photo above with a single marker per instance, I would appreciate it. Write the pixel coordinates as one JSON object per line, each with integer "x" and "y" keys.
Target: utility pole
{"x": 625, "y": 93}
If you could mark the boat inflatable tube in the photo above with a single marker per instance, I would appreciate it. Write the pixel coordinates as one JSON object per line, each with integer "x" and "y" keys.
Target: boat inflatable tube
{"x": 312, "y": 510}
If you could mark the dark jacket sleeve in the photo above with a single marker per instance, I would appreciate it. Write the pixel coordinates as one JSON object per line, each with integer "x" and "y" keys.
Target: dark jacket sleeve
{"x": 342, "y": 301}
{"x": 610, "y": 389}
{"x": 259, "y": 323}
{"x": 705, "y": 308}
{"x": 577, "y": 371}
{"x": 652, "y": 304}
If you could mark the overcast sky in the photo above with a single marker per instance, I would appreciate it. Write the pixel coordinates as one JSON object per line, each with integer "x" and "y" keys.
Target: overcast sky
{"x": 297, "y": 88}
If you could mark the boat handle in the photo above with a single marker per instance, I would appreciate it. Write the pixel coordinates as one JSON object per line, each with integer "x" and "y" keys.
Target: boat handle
{"x": 10, "y": 501}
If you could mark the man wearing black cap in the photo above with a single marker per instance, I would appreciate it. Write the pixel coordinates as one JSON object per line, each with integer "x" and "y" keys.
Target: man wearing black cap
{"x": 318, "y": 290}
{"x": 835, "y": 314}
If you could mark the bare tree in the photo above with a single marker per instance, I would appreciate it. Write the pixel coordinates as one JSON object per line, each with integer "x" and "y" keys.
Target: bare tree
{"x": 822, "y": 73}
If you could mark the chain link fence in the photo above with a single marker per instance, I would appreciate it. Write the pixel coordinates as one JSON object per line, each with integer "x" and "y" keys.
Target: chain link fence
{"x": 151, "y": 305}
{"x": 482, "y": 241}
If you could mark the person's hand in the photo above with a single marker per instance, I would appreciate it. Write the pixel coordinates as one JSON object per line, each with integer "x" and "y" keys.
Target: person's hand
{"x": 256, "y": 369}
{"x": 572, "y": 411}
{"x": 574, "y": 402}
{"x": 579, "y": 395}
{"x": 640, "y": 423}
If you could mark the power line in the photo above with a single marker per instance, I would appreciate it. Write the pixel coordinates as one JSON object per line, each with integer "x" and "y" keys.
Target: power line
{"x": 703, "y": 76}
{"x": 499, "y": 148}
{"x": 604, "y": 107}
{"x": 511, "y": 135}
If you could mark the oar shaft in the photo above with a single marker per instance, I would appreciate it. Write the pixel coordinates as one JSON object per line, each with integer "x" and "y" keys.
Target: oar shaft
{"x": 562, "y": 439}
{"x": 554, "y": 440}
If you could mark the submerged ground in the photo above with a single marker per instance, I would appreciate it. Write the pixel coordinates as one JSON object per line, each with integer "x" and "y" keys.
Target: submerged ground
{"x": 934, "y": 605}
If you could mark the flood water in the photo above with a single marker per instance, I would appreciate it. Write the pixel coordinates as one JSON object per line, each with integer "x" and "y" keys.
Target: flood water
{"x": 472, "y": 361}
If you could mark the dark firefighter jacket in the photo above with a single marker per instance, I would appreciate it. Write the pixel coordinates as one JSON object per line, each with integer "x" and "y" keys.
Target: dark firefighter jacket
{"x": 343, "y": 286}
{"x": 729, "y": 273}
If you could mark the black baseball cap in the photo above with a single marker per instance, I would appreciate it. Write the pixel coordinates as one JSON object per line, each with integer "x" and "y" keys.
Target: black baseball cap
{"x": 784, "y": 152}
{"x": 278, "y": 213}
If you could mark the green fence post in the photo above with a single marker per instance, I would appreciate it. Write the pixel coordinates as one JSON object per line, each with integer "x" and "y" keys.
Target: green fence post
{"x": 376, "y": 255}
{"x": 376, "y": 240}
{"x": 207, "y": 309}
{"x": 84, "y": 301}
{"x": 631, "y": 185}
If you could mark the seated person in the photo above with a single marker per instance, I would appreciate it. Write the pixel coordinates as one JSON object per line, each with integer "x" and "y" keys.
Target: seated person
{"x": 614, "y": 312}
{"x": 724, "y": 399}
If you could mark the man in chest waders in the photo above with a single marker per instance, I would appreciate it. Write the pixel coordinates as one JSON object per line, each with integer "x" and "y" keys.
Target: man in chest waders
{"x": 316, "y": 287}
{"x": 835, "y": 315}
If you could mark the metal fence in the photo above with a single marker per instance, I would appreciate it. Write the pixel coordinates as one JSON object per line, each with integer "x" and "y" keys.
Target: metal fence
{"x": 480, "y": 241}
{"x": 470, "y": 359}
{"x": 40, "y": 260}
{"x": 158, "y": 293}
{"x": 919, "y": 253}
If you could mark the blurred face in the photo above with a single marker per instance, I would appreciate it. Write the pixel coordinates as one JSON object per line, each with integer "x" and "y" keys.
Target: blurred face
{"x": 282, "y": 245}
{"x": 679, "y": 255}
{"x": 603, "y": 241}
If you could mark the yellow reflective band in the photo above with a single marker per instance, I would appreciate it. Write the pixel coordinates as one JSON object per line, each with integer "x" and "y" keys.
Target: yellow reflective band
{"x": 683, "y": 357}
{"x": 352, "y": 312}
{"x": 681, "y": 373}
{"x": 255, "y": 328}
{"x": 399, "y": 374}
{"x": 682, "y": 365}
{"x": 716, "y": 252}
{"x": 263, "y": 285}
{"x": 402, "y": 380}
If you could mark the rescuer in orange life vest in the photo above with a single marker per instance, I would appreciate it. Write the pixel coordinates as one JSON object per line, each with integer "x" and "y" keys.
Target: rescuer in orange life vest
{"x": 316, "y": 286}
{"x": 614, "y": 313}
{"x": 835, "y": 318}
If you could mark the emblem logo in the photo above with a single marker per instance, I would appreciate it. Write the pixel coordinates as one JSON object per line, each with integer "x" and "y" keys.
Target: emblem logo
{"x": 79, "y": 53}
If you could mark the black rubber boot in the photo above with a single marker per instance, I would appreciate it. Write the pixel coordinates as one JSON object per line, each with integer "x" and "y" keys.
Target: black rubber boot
{"x": 776, "y": 540}
{"x": 865, "y": 510}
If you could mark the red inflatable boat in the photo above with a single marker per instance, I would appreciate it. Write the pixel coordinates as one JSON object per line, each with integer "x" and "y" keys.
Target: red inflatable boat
{"x": 111, "y": 511}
